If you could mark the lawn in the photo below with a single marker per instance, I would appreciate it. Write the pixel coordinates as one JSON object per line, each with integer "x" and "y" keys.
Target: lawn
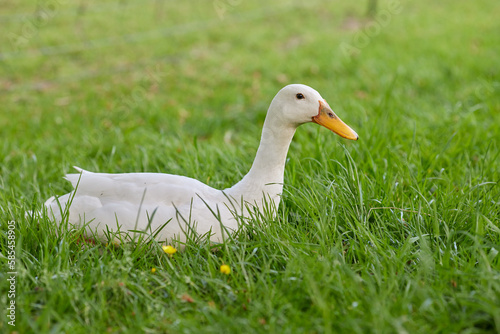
{"x": 397, "y": 232}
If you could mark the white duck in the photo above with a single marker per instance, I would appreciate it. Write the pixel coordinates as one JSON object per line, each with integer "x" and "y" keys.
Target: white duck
{"x": 173, "y": 205}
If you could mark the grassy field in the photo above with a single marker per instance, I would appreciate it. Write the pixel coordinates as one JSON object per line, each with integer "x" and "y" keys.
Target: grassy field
{"x": 396, "y": 233}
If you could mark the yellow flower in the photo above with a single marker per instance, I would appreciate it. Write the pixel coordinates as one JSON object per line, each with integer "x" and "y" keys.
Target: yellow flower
{"x": 169, "y": 250}
{"x": 153, "y": 270}
{"x": 225, "y": 269}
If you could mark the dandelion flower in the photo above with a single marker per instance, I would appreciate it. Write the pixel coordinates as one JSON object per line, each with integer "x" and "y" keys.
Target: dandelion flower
{"x": 153, "y": 270}
{"x": 169, "y": 250}
{"x": 225, "y": 269}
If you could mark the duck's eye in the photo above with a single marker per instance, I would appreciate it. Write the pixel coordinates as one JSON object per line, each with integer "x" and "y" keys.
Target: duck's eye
{"x": 300, "y": 96}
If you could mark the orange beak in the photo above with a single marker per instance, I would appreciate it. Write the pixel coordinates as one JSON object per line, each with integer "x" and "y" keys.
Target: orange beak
{"x": 327, "y": 118}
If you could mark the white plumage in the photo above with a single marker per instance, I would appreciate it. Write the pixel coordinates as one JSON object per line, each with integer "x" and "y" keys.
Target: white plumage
{"x": 175, "y": 205}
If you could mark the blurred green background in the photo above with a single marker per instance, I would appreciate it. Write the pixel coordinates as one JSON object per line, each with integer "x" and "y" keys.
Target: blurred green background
{"x": 86, "y": 79}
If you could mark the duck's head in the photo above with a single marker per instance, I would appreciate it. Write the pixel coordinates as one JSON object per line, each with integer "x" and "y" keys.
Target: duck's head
{"x": 301, "y": 104}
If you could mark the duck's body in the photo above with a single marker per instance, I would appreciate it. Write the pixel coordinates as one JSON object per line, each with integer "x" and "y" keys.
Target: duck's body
{"x": 175, "y": 205}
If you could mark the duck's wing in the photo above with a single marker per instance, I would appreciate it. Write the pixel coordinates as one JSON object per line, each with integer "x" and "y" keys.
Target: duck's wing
{"x": 136, "y": 188}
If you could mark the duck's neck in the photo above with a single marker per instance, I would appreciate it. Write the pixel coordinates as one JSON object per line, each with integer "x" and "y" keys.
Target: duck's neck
{"x": 265, "y": 178}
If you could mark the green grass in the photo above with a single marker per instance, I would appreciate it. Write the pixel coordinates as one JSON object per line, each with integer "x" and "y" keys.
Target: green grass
{"x": 398, "y": 232}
